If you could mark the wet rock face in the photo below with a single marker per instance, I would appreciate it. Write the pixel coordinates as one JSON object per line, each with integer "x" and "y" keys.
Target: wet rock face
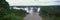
{"x": 4, "y": 4}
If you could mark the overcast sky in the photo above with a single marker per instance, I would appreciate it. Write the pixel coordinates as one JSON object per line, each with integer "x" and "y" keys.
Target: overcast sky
{"x": 34, "y": 2}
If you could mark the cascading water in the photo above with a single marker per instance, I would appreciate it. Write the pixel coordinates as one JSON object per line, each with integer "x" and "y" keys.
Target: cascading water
{"x": 29, "y": 10}
{"x": 38, "y": 10}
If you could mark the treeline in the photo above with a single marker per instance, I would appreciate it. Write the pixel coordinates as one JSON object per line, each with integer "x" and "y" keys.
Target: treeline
{"x": 10, "y": 14}
{"x": 50, "y": 12}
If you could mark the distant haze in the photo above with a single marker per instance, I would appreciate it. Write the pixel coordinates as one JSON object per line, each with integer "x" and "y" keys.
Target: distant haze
{"x": 33, "y": 2}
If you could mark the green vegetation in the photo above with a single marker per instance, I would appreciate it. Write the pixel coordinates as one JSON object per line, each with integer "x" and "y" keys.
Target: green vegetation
{"x": 10, "y": 14}
{"x": 50, "y": 12}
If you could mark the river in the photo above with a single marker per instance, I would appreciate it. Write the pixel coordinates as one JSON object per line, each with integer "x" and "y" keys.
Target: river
{"x": 33, "y": 16}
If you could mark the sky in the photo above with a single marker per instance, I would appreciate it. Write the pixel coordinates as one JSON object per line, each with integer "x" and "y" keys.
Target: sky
{"x": 33, "y": 2}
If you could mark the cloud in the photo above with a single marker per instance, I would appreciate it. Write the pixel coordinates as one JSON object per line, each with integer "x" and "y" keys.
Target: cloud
{"x": 33, "y": 2}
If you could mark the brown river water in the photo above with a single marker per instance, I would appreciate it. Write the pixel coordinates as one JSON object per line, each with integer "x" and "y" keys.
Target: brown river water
{"x": 33, "y": 16}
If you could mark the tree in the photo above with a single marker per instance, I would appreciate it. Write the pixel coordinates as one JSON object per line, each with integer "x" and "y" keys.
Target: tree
{"x": 50, "y": 11}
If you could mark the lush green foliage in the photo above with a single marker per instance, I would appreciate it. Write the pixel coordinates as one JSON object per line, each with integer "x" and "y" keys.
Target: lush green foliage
{"x": 10, "y": 14}
{"x": 50, "y": 11}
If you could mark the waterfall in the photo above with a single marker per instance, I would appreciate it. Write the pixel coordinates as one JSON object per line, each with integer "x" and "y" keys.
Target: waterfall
{"x": 38, "y": 10}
